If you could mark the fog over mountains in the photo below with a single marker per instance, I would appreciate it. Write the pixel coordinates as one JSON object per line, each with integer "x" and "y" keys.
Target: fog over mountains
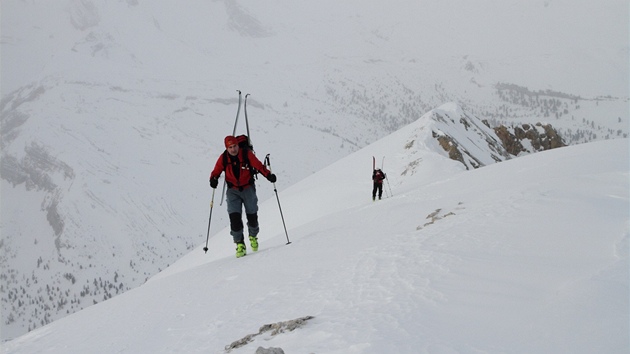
{"x": 113, "y": 113}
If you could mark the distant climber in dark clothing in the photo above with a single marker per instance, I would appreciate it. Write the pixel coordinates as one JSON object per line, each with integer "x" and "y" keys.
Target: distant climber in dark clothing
{"x": 377, "y": 177}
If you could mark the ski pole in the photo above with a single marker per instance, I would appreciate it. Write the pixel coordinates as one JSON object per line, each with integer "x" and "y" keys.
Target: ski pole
{"x": 268, "y": 163}
{"x": 233, "y": 132}
{"x": 390, "y": 187}
{"x": 205, "y": 249}
{"x": 387, "y": 179}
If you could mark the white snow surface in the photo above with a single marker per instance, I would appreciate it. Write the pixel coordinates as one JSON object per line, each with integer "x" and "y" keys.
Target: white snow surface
{"x": 113, "y": 113}
{"x": 529, "y": 255}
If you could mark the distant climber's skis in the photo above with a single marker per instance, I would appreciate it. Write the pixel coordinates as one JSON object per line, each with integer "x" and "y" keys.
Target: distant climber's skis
{"x": 374, "y": 163}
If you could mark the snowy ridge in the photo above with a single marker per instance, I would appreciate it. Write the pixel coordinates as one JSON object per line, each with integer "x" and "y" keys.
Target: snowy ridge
{"x": 411, "y": 154}
{"x": 113, "y": 112}
{"x": 499, "y": 259}
{"x": 466, "y": 138}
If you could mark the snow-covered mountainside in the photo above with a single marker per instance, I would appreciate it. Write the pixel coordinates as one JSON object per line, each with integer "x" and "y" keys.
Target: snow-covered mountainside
{"x": 113, "y": 113}
{"x": 528, "y": 255}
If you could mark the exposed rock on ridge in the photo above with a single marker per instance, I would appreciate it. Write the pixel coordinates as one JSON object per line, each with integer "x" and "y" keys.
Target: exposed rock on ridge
{"x": 539, "y": 138}
{"x": 474, "y": 143}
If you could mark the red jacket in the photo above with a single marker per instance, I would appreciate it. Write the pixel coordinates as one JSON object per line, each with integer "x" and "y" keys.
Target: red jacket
{"x": 237, "y": 173}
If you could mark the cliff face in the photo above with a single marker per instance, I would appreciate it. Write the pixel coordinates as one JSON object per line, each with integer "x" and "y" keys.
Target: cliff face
{"x": 528, "y": 139}
{"x": 464, "y": 137}
{"x": 471, "y": 141}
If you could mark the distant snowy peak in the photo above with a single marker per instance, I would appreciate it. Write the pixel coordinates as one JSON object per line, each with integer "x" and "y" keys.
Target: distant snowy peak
{"x": 464, "y": 137}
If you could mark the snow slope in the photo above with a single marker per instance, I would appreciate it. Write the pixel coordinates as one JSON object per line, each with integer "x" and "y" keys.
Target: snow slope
{"x": 526, "y": 256}
{"x": 112, "y": 112}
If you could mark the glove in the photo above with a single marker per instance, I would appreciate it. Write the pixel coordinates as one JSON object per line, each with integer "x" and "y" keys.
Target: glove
{"x": 272, "y": 178}
{"x": 214, "y": 182}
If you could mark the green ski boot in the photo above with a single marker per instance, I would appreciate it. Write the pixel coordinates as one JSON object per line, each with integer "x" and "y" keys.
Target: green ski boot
{"x": 241, "y": 250}
{"x": 254, "y": 243}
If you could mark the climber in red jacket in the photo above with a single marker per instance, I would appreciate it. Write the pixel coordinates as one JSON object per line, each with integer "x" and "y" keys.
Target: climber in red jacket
{"x": 240, "y": 165}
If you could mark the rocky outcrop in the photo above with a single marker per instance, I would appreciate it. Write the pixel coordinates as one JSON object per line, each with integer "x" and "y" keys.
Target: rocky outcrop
{"x": 451, "y": 146}
{"x": 474, "y": 143}
{"x": 528, "y": 139}
{"x": 272, "y": 329}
